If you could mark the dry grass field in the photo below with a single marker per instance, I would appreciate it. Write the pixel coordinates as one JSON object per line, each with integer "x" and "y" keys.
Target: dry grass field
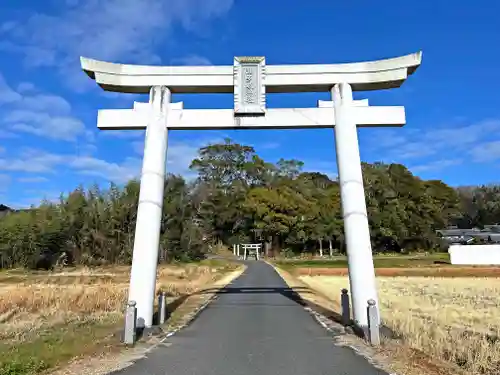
{"x": 47, "y": 317}
{"x": 456, "y": 319}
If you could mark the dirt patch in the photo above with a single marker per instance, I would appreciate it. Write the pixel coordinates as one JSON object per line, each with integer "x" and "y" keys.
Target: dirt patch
{"x": 436, "y": 271}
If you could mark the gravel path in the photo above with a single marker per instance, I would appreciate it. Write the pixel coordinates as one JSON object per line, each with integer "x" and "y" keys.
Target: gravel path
{"x": 253, "y": 327}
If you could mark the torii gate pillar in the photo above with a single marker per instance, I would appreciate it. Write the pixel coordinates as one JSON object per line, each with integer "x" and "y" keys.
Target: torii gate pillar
{"x": 352, "y": 194}
{"x": 149, "y": 212}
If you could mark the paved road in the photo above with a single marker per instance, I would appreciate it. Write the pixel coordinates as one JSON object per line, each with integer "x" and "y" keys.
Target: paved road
{"x": 253, "y": 328}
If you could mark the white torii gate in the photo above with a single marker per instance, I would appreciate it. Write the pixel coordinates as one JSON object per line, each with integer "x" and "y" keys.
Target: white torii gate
{"x": 250, "y": 79}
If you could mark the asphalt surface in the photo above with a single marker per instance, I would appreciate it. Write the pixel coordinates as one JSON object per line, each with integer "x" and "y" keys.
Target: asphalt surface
{"x": 253, "y": 327}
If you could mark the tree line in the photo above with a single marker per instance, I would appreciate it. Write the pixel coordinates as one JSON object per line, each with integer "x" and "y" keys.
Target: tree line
{"x": 239, "y": 197}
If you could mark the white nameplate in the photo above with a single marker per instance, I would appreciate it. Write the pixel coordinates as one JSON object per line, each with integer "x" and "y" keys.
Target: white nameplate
{"x": 249, "y": 86}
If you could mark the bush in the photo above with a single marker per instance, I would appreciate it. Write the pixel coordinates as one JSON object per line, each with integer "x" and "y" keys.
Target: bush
{"x": 287, "y": 253}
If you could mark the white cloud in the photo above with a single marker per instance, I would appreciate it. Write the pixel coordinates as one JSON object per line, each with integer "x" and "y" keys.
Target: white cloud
{"x": 474, "y": 139}
{"x": 412, "y": 150}
{"x": 7, "y": 95}
{"x": 4, "y": 182}
{"x": 7, "y": 26}
{"x": 114, "y": 30}
{"x": 2, "y": 149}
{"x": 194, "y": 60}
{"x": 7, "y": 134}
{"x": 179, "y": 158}
{"x": 34, "y": 179}
{"x": 138, "y": 147}
{"x": 121, "y": 99}
{"x": 180, "y": 154}
{"x": 110, "y": 171}
{"x": 269, "y": 146}
{"x": 32, "y": 161}
{"x": 124, "y": 134}
{"x": 35, "y": 197}
{"x": 39, "y": 161}
{"x": 53, "y": 127}
{"x": 25, "y": 87}
{"x": 489, "y": 151}
{"x": 47, "y": 103}
{"x": 85, "y": 149}
{"x": 43, "y": 165}
{"x": 436, "y": 165}
{"x": 42, "y": 114}
{"x": 324, "y": 167}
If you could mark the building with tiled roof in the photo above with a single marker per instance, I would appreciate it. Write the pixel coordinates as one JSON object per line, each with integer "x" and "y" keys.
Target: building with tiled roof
{"x": 4, "y": 210}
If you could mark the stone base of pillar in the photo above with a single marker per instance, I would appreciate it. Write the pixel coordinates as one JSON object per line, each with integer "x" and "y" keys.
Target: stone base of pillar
{"x": 361, "y": 331}
{"x": 149, "y": 331}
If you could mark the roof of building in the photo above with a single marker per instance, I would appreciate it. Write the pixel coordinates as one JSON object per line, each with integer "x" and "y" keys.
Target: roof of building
{"x": 5, "y": 208}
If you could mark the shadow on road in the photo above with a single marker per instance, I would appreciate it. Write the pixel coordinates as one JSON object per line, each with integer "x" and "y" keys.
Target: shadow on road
{"x": 290, "y": 293}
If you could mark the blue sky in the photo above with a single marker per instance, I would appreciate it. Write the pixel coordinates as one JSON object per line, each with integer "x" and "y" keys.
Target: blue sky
{"x": 49, "y": 142}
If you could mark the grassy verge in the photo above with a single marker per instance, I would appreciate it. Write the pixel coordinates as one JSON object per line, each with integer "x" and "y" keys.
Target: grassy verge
{"x": 380, "y": 261}
{"x": 430, "y": 265}
{"x": 50, "y": 318}
{"x": 52, "y": 347}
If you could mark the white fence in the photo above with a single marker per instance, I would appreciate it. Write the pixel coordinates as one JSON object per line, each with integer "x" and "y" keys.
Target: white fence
{"x": 475, "y": 255}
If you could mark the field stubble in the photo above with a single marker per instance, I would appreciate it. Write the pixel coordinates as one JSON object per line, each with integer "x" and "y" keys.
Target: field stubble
{"x": 455, "y": 319}
{"x": 30, "y": 302}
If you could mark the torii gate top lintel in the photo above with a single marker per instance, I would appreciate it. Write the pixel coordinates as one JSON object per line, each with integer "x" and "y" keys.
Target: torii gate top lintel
{"x": 362, "y": 76}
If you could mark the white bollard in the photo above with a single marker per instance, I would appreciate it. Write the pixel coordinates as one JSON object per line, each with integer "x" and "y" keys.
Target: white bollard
{"x": 162, "y": 308}
{"x": 373, "y": 323}
{"x": 130, "y": 333}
